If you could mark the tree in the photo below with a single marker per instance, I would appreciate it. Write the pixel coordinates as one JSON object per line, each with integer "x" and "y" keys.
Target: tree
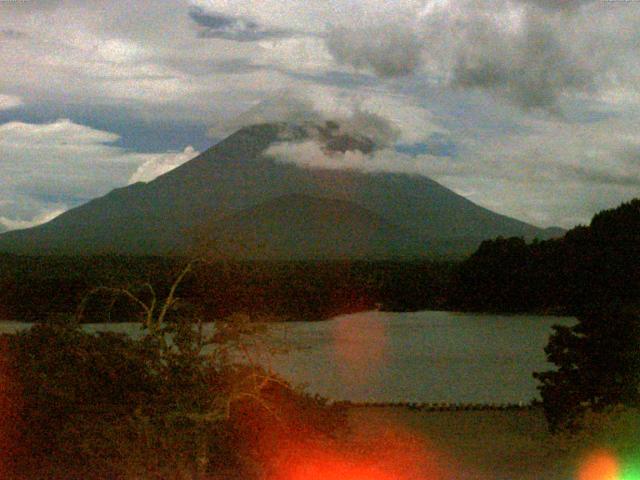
{"x": 173, "y": 404}
{"x": 497, "y": 277}
{"x": 598, "y": 363}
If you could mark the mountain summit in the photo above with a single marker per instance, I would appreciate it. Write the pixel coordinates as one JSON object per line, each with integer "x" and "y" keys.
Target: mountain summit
{"x": 255, "y": 206}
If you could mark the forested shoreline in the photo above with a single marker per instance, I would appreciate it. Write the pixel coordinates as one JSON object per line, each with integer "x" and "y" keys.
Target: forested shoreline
{"x": 157, "y": 407}
{"x": 37, "y": 288}
{"x": 588, "y": 268}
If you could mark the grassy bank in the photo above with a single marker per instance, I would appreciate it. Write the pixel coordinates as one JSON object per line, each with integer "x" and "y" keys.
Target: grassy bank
{"x": 510, "y": 444}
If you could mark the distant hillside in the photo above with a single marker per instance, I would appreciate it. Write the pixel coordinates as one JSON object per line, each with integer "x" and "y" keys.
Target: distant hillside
{"x": 264, "y": 203}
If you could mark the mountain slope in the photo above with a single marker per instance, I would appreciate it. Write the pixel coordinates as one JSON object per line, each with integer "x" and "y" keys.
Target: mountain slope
{"x": 300, "y": 227}
{"x": 235, "y": 175}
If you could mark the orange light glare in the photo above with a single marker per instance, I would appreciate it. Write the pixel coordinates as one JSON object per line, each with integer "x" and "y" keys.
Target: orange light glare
{"x": 600, "y": 465}
{"x": 336, "y": 469}
{"x": 372, "y": 454}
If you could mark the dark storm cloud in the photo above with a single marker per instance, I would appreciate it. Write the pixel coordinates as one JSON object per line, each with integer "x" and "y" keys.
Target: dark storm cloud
{"x": 562, "y": 5}
{"x": 602, "y": 177}
{"x": 237, "y": 29}
{"x": 531, "y": 69}
{"x": 533, "y": 53}
{"x": 387, "y": 50}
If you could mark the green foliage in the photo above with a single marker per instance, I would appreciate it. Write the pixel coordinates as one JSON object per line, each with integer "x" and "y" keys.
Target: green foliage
{"x": 160, "y": 407}
{"x": 598, "y": 365}
{"x": 34, "y": 289}
{"x": 615, "y": 429}
{"x": 494, "y": 278}
{"x": 588, "y": 269}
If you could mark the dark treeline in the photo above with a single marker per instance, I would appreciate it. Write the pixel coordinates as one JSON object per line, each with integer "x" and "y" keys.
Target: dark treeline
{"x": 37, "y": 288}
{"x": 590, "y": 269}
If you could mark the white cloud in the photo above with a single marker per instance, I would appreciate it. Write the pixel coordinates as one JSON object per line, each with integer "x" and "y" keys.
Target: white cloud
{"x": 521, "y": 50}
{"x": 550, "y": 172}
{"x": 161, "y": 163}
{"x": 7, "y": 102}
{"x": 61, "y": 133}
{"x": 46, "y": 168}
{"x": 311, "y": 154}
{"x": 543, "y": 170}
{"x": 44, "y": 217}
{"x": 409, "y": 122}
{"x": 120, "y": 51}
{"x": 415, "y": 123}
{"x": 305, "y": 54}
{"x": 145, "y": 56}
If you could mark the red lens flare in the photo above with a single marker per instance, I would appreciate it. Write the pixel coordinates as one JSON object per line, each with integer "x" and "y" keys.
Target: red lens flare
{"x": 599, "y": 465}
{"x": 335, "y": 469}
{"x": 387, "y": 455}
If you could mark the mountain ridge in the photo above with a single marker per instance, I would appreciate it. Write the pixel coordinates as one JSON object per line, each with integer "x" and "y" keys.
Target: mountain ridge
{"x": 235, "y": 175}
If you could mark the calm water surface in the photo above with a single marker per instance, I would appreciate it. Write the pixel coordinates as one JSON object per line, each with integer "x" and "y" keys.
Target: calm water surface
{"x": 417, "y": 357}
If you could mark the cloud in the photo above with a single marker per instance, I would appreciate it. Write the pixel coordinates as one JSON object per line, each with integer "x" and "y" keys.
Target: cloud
{"x": 384, "y": 118}
{"x": 597, "y": 176}
{"x": 562, "y": 5}
{"x": 388, "y": 50}
{"x": 8, "y": 102}
{"x": 529, "y": 66}
{"x": 478, "y": 71}
{"x": 314, "y": 155}
{"x": 284, "y": 107}
{"x": 61, "y": 133}
{"x": 49, "y": 167}
{"x": 11, "y": 34}
{"x": 590, "y": 48}
{"x": 237, "y": 29}
{"x": 378, "y": 129}
{"x": 354, "y": 123}
{"x": 162, "y": 163}
{"x": 531, "y": 53}
{"x": 550, "y": 172}
{"x": 94, "y": 55}
{"x": 44, "y": 217}
{"x": 31, "y": 6}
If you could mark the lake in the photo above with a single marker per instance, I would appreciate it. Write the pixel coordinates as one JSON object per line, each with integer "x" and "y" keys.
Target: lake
{"x": 424, "y": 356}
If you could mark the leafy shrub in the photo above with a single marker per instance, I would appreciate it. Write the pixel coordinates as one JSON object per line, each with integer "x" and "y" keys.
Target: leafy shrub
{"x": 109, "y": 406}
{"x": 613, "y": 431}
{"x": 598, "y": 363}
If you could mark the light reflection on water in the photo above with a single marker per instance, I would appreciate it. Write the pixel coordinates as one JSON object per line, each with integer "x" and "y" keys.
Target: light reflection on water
{"x": 414, "y": 357}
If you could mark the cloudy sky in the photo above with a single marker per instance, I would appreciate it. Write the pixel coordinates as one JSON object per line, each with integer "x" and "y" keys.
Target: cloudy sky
{"x": 528, "y": 107}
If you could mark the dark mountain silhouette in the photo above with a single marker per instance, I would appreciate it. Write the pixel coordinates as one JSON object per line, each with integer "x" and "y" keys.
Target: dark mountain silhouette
{"x": 239, "y": 195}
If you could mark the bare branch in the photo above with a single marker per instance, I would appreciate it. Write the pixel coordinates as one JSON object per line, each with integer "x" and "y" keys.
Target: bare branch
{"x": 115, "y": 292}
